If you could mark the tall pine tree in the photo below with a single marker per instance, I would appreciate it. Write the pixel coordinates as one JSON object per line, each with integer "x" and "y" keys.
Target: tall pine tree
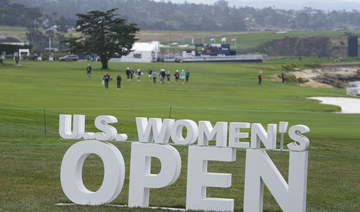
{"x": 104, "y": 34}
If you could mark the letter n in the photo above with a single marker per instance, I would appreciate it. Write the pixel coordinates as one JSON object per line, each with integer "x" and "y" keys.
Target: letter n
{"x": 261, "y": 170}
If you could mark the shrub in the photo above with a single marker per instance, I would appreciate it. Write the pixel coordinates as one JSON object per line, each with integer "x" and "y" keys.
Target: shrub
{"x": 301, "y": 80}
{"x": 288, "y": 67}
{"x": 290, "y": 78}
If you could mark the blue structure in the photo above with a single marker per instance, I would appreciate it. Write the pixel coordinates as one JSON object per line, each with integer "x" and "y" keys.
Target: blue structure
{"x": 213, "y": 50}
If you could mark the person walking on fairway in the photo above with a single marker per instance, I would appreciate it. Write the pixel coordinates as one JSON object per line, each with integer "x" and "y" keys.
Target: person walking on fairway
{"x": 138, "y": 74}
{"x": 182, "y": 76}
{"x": 128, "y": 73}
{"x": 154, "y": 75}
{"x": 131, "y": 73}
{"x": 150, "y": 73}
{"x": 260, "y": 78}
{"x": 118, "y": 81}
{"x": 162, "y": 76}
{"x": 106, "y": 79}
{"x": 17, "y": 58}
{"x": 177, "y": 75}
{"x": 282, "y": 77}
{"x": 168, "y": 76}
{"x": 88, "y": 70}
{"x": 187, "y": 74}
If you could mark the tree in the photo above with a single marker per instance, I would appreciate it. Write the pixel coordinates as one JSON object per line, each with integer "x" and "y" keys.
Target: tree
{"x": 18, "y": 15}
{"x": 104, "y": 34}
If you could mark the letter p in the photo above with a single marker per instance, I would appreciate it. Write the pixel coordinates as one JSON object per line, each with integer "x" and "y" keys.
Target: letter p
{"x": 141, "y": 179}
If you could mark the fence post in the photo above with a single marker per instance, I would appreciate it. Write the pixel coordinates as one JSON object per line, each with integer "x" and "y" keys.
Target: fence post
{"x": 170, "y": 112}
{"x": 44, "y": 122}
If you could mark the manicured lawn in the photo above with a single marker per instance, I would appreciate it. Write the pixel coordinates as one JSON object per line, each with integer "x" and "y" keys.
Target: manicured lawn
{"x": 35, "y": 93}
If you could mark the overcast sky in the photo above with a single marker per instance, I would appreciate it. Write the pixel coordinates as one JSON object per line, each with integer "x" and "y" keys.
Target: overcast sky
{"x": 283, "y": 4}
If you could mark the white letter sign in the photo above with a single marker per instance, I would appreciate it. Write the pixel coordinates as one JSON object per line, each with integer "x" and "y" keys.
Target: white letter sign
{"x": 208, "y": 133}
{"x": 154, "y": 135}
{"x": 235, "y": 135}
{"x": 294, "y": 133}
{"x": 154, "y": 130}
{"x": 198, "y": 178}
{"x": 258, "y": 134}
{"x": 261, "y": 170}
{"x": 176, "y": 132}
{"x": 71, "y": 173}
{"x": 65, "y": 126}
{"x": 141, "y": 179}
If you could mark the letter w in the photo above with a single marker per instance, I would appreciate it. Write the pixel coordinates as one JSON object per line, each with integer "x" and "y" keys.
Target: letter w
{"x": 154, "y": 130}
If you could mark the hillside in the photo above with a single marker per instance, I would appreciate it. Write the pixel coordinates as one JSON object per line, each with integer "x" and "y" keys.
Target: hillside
{"x": 150, "y": 15}
{"x": 292, "y": 43}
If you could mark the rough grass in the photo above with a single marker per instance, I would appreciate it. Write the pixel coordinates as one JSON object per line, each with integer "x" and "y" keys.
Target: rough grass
{"x": 30, "y": 161}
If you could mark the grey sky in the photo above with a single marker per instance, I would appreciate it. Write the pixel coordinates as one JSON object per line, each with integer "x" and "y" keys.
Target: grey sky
{"x": 283, "y": 4}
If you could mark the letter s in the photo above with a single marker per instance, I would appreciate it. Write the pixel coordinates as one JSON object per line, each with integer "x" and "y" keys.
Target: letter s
{"x": 109, "y": 132}
{"x": 294, "y": 134}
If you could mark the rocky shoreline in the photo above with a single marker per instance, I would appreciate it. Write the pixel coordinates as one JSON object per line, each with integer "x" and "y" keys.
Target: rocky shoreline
{"x": 337, "y": 77}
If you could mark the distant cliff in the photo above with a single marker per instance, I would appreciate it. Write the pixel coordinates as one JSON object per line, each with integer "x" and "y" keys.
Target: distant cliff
{"x": 308, "y": 46}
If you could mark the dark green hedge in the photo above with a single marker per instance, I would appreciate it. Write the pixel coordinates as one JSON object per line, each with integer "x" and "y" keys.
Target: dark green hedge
{"x": 10, "y": 49}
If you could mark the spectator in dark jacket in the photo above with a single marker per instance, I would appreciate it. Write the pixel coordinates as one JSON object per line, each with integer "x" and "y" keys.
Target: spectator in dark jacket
{"x": 106, "y": 79}
{"x": 118, "y": 81}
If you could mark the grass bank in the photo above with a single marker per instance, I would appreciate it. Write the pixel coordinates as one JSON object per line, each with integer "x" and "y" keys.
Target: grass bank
{"x": 35, "y": 93}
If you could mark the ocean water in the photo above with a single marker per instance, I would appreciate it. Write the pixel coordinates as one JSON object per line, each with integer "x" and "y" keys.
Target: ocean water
{"x": 355, "y": 91}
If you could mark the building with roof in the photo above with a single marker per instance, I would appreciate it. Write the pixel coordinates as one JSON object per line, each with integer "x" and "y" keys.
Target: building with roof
{"x": 11, "y": 40}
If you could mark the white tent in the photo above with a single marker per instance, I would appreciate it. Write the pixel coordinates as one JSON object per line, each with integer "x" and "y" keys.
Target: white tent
{"x": 141, "y": 52}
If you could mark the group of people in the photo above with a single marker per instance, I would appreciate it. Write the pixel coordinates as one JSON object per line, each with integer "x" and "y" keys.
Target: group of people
{"x": 260, "y": 77}
{"x": 182, "y": 76}
{"x": 106, "y": 78}
{"x": 130, "y": 74}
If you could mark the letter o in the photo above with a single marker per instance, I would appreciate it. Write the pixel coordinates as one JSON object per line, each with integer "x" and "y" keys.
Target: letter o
{"x": 71, "y": 173}
{"x": 192, "y": 132}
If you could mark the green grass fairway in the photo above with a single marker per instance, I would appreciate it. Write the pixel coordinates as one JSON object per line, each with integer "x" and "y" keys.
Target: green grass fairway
{"x": 250, "y": 40}
{"x": 33, "y": 94}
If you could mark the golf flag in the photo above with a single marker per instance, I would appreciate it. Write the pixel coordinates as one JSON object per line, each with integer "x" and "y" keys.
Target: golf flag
{"x": 192, "y": 40}
{"x": 202, "y": 40}
{"x": 233, "y": 39}
{"x": 223, "y": 39}
{"x": 212, "y": 39}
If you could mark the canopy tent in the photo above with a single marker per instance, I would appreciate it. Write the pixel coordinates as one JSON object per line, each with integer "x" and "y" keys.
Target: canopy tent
{"x": 141, "y": 52}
